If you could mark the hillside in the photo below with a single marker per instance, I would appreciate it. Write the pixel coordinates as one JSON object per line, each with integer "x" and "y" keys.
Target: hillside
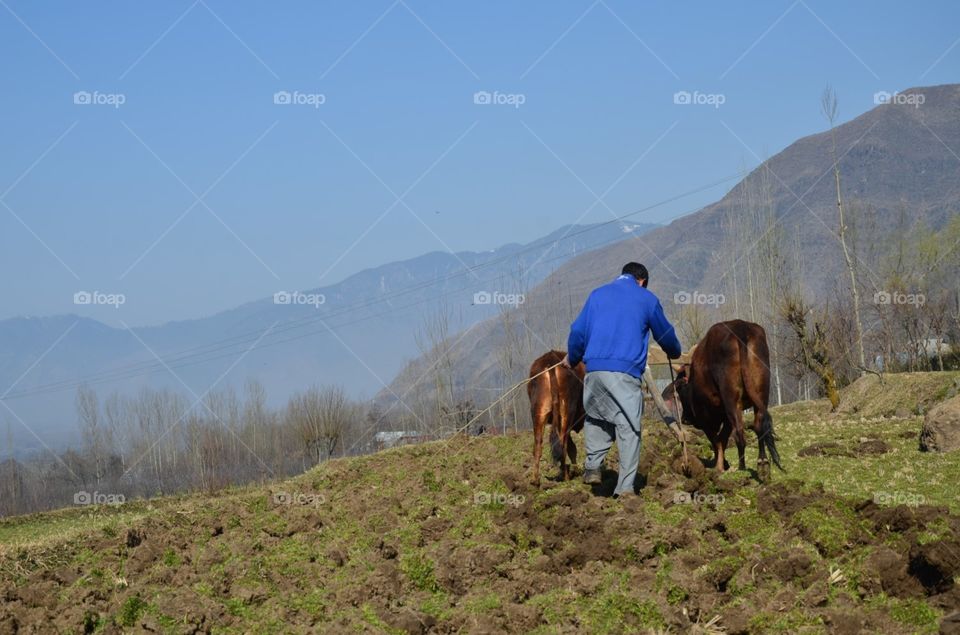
{"x": 893, "y": 158}
{"x": 375, "y": 313}
{"x": 450, "y": 537}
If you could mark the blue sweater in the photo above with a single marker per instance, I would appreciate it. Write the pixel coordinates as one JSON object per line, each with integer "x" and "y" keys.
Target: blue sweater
{"x": 611, "y": 331}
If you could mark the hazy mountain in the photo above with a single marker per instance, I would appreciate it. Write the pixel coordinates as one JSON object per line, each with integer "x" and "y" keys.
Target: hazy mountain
{"x": 898, "y": 160}
{"x": 375, "y": 315}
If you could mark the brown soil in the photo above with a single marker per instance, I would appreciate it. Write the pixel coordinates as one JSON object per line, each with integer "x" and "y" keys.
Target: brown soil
{"x": 399, "y": 544}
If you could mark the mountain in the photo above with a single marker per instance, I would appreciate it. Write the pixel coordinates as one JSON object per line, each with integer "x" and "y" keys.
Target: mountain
{"x": 353, "y": 334}
{"x": 898, "y": 160}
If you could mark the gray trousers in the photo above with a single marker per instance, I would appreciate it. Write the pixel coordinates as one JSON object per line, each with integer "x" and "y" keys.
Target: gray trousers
{"x": 614, "y": 403}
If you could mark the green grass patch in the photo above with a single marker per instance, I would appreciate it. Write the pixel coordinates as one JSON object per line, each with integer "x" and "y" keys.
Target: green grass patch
{"x": 828, "y": 531}
{"x": 419, "y": 570}
{"x": 131, "y": 610}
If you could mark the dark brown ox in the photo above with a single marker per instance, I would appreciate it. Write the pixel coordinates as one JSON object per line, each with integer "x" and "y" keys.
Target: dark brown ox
{"x": 556, "y": 398}
{"x": 728, "y": 373}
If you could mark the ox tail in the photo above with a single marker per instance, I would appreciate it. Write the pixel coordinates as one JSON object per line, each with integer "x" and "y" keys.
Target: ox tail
{"x": 555, "y": 448}
{"x": 769, "y": 439}
{"x": 555, "y": 417}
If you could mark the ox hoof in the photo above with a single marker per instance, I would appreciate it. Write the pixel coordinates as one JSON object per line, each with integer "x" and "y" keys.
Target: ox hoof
{"x": 763, "y": 470}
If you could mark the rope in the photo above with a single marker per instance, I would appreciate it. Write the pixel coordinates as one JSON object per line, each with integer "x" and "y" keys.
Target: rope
{"x": 504, "y": 396}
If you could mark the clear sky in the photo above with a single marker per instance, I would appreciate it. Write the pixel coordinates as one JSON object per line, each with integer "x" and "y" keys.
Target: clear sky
{"x": 186, "y": 187}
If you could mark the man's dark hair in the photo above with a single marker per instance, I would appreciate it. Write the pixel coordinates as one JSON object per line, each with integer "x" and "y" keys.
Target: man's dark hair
{"x": 636, "y": 270}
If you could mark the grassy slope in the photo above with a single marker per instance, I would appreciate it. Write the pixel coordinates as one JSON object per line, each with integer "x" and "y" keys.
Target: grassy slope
{"x": 892, "y": 412}
{"x": 416, "y": 536}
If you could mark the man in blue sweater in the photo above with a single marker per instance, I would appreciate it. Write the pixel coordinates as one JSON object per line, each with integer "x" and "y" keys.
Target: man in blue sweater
{"x": 610, "y": 336}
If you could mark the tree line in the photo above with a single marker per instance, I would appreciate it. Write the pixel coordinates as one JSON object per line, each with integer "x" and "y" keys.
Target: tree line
{"x": 158, "y": 442}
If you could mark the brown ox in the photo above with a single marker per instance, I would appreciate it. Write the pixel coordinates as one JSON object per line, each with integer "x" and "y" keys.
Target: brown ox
{"x": 728, "y": 372}
{"x": 556, "y": 398}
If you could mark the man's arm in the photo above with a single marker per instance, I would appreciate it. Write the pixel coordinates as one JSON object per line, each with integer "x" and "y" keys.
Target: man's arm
{"x": 664, "y": 333}
{"x": 577, "y": 341}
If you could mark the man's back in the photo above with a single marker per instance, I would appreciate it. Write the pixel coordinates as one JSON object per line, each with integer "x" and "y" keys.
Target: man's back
{"x": 611, "y": 331}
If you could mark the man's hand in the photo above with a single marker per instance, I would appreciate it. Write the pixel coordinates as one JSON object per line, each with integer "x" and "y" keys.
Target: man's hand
{"x": 565, "y": 362}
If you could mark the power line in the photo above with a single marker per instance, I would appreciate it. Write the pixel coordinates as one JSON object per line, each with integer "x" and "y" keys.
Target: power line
{"x": 195, "y": 355}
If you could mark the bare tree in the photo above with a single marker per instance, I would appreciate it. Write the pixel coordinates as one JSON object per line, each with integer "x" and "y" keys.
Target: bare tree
{"x": 812, "y": 342}
{"x": 91, "y": 431}
{"x": 436, "y": 346}
{"x": 828, "y": 105}
{"x": 693, "y": 320}
{"x": 321, "y": 415}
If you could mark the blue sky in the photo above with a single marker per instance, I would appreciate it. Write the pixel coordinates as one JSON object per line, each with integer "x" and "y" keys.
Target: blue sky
{"x": 198, "y": 192}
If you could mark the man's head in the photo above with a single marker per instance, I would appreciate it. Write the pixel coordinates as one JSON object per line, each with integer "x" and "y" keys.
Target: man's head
{"x": 638, "y": 271}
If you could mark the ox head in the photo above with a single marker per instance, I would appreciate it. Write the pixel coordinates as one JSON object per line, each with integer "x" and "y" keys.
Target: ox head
{"x": 676, "y": 395}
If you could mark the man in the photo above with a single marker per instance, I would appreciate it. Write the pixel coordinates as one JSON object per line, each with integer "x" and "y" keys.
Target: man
{"x": 610, "y": 336}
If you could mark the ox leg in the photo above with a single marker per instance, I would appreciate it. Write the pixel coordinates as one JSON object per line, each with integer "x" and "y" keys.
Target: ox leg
{"x": 563, "y": 427}
{"x": 741, "y": 449}
{"x": 735, "y": 425}
{"x": 539, "y": 422}
{"x": 571, "y": 449}
{"x": 565, "y": 441}
{"x": 763, "y": 465}
{"x": 721, "y": 443}
{"x": 718, "y": 447}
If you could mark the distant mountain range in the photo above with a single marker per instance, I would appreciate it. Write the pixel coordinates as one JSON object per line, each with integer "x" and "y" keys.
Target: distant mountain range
{"x": 354, "y": 334}
{"x": 897, "y": 157}
{"x": 900, "y": 157}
